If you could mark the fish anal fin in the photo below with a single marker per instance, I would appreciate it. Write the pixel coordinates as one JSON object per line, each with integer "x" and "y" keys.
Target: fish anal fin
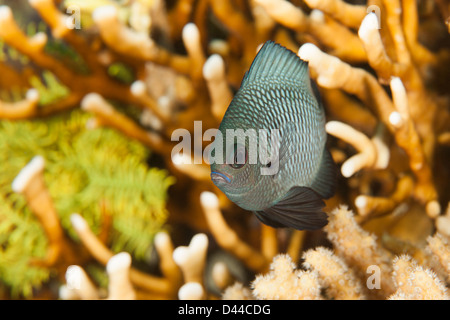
{"x": 267, "y": 220}
{"x": 300, "y": 209}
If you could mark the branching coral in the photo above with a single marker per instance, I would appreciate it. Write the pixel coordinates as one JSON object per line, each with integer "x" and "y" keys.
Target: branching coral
{"x": 15, "y": 269}
{"x": 22, "y": 108}
{"x": 373, "y": 206}
{"x": 443, "y": 222}
{"x": 102, "y": 254}
{"x": 214, "y": 73}
{"x": 79, "y": 286}
{"x": 358, "y": 248}
{"x": 191, "y": 259}
{"x": 318, "y": 26}
{"x": 226, "y": 237}
{"x": 373, "y": 273}
{"x": 340, "y": 281}
{"x": 361, "y": 83}
{"x": 439, "y": 249}
{"x": 74, "y": 180}
{"x": 372, "y": 152}
{"x": 415, "y": 283}
{"x": 400, "y": 114}
{"x": 30, "y": 183}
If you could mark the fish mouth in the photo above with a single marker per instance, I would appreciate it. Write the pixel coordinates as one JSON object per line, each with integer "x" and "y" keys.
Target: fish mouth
{"x": 219, "y": 178}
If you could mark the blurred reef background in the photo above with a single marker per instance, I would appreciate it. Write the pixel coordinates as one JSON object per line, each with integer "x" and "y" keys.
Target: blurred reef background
{"x": 94, "y": 206}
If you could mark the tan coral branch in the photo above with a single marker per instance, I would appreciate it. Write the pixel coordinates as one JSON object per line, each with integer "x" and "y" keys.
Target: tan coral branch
{"x": 237, "y": 292}
{"x": 57, "y": 21}
{"x": 102, "y": 254}
{"x": 319, "y": 26}
{"x": 186, "y": 164}
{"x": 345, "y": 108}
{"x": 264, "y": 24}
{"x": 439, "y": 246}
{"x": 30, "y": 182}
{"x": 191, "y": 259}
{"x": 78, "y": 285}
{"x": 443, "y": 222}
{"x": 400, "y": 64}
{"x": 376, "y": 53}
{"x": 134, "y": 44}
{"x": 347, "y": 14}
{"x": 340, "y": 281}
{"x": 192, "y": 42}
{"x": 286, "y": 13}
{"x": 367, "y": 156}
{"x": 169, "y": 268}
{"x": 269, "y": 241}
{"x": 33, "y": 48}
{"x": 408, "y": 138}
{"x": 358, "y": 248}
{"x": 296, "y": 243}
{"x": 444, "y": 138}
{"x": 238, "y": 25}
{"x": 369, "y": 206}
{"x": 221, "y": 275}
{"x": 139, "y": 90}
{"x": 333, "y": 73}
{"x": 179, "y": 16}
{"x": 118, "y": 269}
{"x": 12, "y": 34}
{"x": 62, "y": 28}
{"x": 219, "y": 91}
{"x": 191, "y": 291}
{"x": 21, "y": 109}
{"x": 410, "y": 22}
{"x": 416, "y": 283}
{"x": 285, "y": 282}
{"x": 108, "y": 116}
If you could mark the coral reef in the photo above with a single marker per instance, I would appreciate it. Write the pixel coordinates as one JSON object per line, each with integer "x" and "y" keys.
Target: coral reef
{"x": 94, "y": 200}
{"x": 123, "y": 200}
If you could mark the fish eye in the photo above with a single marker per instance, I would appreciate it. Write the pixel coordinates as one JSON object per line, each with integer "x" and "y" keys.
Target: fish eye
{"x": 239, "y": 157}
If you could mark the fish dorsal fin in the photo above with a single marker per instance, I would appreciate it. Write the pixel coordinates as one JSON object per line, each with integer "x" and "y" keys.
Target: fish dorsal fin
{"x": 300, "y": 209}
{"x": 276, "y": 61}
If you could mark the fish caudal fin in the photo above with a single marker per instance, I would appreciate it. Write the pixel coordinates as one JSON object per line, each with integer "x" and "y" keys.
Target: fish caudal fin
{"x": 274, "y": 60}
{"x": 326, "y": 177}
{"x": 300, "y": 209}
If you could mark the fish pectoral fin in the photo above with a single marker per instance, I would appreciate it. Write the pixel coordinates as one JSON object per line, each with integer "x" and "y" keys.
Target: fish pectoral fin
{"x": 326, "y": 177}
{"x": 290, "y": 138}
{"x": 300, "y": 209}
